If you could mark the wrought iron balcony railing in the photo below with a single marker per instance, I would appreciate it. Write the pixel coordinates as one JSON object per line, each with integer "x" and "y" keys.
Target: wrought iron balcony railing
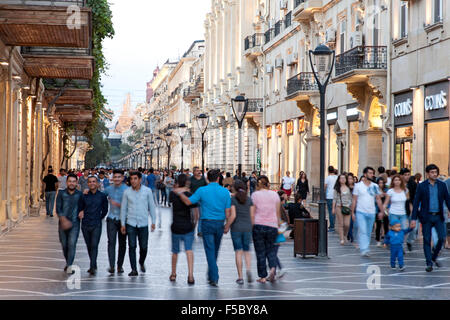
{"x": 361, "y": 57}
{"x": 61, "y": 3}
{"x": 304, "y": 81}
{"x": 253, "y": 41}
{"x": 298, "y": 2}
{"x": 247, "y": 42}
{"x": 255, "y": 105}
{"x": 267, "y": 36}
{"x": 288, "y": 20}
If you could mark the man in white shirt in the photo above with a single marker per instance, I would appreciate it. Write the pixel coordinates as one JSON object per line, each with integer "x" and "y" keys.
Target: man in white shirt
{"x": 365, "y": 194}
{"x": 330, "y": 181}
{"x": 286, "y": 184}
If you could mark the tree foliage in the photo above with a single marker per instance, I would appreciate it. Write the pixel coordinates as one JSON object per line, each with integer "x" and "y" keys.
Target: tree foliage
{"x": 100, "y": 152}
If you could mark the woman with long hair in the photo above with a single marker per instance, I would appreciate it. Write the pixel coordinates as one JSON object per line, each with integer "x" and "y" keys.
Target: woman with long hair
{"x": 396, "y": 197}
{"x": 385, "y": 221}
{"x": 240, "y": 222}
{"x": 352, "y": 180}
{"x": 169, "y": 181}
{"x": 265, "y": 228}
{"x": 303, "y": 185}
{"x": 183, "y": 226}
{"x": 342, "y": 202}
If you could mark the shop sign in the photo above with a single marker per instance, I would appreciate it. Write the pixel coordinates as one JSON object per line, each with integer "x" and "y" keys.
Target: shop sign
{"x": 269, "y": 132}
{"x": 290, "y": 128}
{"x": 403, "y": 108}
{"x": 437, "y": 101}
{"x": 301, "y": 125}
{"x": 279, "y": 130}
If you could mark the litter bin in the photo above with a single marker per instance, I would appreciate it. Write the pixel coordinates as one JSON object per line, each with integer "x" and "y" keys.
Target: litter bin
{"x": 306, "y": 237}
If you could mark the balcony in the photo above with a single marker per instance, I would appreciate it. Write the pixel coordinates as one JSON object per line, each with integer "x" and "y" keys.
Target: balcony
{"x": 44, "y": 23}
{"x": 253, "y": 45}
{"x": 190, "y": 94}
{"x": 277, "y": 28}
{"x": 288, "y": 20}
{"x": 255, "y": 106}
{"x": 360, "y": 62}
{"x": 268, "y": 35}
{"x": 300, "y": 86}
{"x": 304, "y": 9}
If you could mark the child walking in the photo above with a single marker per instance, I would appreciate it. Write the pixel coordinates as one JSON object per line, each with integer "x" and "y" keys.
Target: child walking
{"x": 395, "y": 238}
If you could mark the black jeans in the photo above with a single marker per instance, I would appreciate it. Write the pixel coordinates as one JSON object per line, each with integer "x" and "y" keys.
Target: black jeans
{"x": 92, "y": 236}
{"x": 135, "y": 233}
{"x": 113, "y": 230}
{"x": 163, "y": 196}
{"x": 264, "y": 242}
{"x": 385, "y": 222}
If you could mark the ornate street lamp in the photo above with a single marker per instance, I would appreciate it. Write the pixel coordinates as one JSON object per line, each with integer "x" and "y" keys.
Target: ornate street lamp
{"x": 202, "y": 122}
{"x": 239, "y": 106}
{"x": 158, "y": 144}
{"x": 182, "y": 128}
{"x": 152, "y": 147}
{"x": 322, "y": 63}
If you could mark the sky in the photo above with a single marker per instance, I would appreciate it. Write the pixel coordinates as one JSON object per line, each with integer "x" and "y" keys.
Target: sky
{"x": 147, "y": 33}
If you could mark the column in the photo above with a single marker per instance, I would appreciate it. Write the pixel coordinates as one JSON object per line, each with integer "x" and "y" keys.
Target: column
{"x": 418, "y": 160}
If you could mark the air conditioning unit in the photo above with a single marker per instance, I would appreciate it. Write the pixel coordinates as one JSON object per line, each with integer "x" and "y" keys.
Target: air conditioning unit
{"x": 356, "y": 39}
{"x": 255, "y": 72}
{"x": 330, "y": 36}
{"x": 269, "y": 69}
{"x": 292, "y": 59}
{"x": 283, "y": 4}
{"x": 279, "y": 63}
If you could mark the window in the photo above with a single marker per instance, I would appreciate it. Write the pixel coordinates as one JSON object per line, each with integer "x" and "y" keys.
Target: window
{"x": 437, "y": 10}
{"x": 403, "y": 19}
{"x": 332, "y": 147}
{"x": 342, "y": 29}
{"x": 437, "y": 143}
{"x": 353, "y": 151}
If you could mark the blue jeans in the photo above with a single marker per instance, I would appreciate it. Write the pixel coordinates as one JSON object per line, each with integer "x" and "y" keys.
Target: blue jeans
{"x": 241, "y": 240}
{"x": 155, "y": 195}
{"x": 92, "y": 236}
{"x": 330, "y": 213}
{"x": 168, "y": 191}
{"x": 68, "y": 239}
{"x": 404, "y": 222}
{"x": 50, "y": 202}
{"x": 365, "y": 223}
{"x": 113, "y": 232}
{"x": 264, "y": 243}
{"x": 436, "y": 222}
{"x": 134, "y": 234}
{"x": 212, "y": 231}
{"x": 397, "y": 253}
{"x": 412, "y": 236}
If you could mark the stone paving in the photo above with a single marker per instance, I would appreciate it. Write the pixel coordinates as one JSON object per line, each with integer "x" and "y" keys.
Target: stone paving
{"x": 31, "y": 267}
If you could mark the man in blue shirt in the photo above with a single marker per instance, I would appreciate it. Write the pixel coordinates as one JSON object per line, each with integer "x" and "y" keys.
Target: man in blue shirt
{"x": 115, "y": 194}
{"x": 151, "y": 183}
{"x": 94, "y": 207}
{"x": 429, "y": 209}
{"x": 215, "y": 204}
{"x": 137, "y": 204}
{"x": 69, "y": 222}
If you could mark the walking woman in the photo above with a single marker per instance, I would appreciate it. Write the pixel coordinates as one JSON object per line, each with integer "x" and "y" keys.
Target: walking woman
{"x": 163, "y": 188}
{"x": 169, "y": 181}
{"x": 397, "y": 196}
{"x": 240, "y": 222}
{"x": 352, "y": 180}
{"x": 265, "y": 228}
{"x": 342, "y": 202}
{"x": 303, "y": 186}
{"x": 385, "y": 221}
{"x": 183, "y": 227}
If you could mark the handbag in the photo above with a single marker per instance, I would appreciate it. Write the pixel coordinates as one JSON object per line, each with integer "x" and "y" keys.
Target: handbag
{"x": 344, "y": 210}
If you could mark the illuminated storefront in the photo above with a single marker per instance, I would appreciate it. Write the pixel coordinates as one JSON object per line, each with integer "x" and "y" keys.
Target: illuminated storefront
{"x": 333, "y": 153}
{"x": 353, "y": 138}
{"x": 403, "y": 122}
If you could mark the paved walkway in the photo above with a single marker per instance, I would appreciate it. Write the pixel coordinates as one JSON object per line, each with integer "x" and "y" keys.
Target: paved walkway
{"x": 31, "y": 264}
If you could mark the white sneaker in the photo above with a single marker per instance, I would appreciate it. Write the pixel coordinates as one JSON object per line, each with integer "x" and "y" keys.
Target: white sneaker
{"x": 69, "y": 270}
{"x": 379, "y": 244}
{"x": 366, "y": 254}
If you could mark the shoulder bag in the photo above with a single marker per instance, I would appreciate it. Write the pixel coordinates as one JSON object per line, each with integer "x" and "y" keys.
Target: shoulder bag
{"x": 345, "y": 210}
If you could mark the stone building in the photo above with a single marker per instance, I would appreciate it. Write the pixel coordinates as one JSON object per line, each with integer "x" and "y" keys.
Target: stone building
{"x": 45, "y": 99}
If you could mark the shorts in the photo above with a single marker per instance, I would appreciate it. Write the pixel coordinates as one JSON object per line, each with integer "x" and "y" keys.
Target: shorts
{"x": 187, "y": 238}
{"x": 241, "y": 240}
{"x": 287, "y": 191}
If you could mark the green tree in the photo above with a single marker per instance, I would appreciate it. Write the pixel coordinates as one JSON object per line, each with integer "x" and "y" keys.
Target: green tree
{"x": 101, "y": 148}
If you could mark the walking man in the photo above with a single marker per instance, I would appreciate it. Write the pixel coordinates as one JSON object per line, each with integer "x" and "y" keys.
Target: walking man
{"x": 429, "y": 208}
{"x": 93, "y": 208}
{"x": 365, "y": 194}
{"x": 115, "y": 194}
{"x": 330, "y": 181}
{"x": 83, "y": 181}
{"x": 51, "y": 184}
{"x": 69, "y": 222}
{"x": 137, "y": 204}
{"x": 62, "y": 179}
{"x": 215, "y": 204}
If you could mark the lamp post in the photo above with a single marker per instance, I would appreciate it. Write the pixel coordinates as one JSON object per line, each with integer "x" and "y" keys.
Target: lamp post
{"x": 152, "y": 147}
{"x": 168, "y": 140}
{"x": 239, "y": 106}
{"x": 202, "y": 122}
{"x": 158, "y": 145}
{"x": 322, "y": 62}
{"x": 182, "y": 128}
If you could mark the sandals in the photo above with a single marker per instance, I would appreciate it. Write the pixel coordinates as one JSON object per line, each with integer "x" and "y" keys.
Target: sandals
{"x": 271, "y": 277}
{"x": 190, "y": 281}
{"x": 173, "y": 277}
{"x": 240, "y": 281}
{"x": 261, "y": 280}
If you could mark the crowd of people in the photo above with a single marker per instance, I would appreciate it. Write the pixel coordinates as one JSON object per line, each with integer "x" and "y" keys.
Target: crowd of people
{"x": 215, "y": 203}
